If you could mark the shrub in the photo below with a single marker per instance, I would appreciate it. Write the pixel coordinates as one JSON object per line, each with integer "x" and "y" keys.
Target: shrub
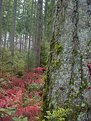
{"x": 59, "y": 114}
{"x": 15, "y": 64}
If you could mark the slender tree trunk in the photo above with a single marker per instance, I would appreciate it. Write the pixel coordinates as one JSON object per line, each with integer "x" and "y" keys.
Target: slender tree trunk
{"x": 20, "y": 43}
{"x": 25, "y": 43}
{"x": 23, "y": 40}
{"x": 6, "y": 25}
{"x": 12, "y": 34}
{"x": 45, "y": 18}
{"x": 16, "y": 41}
{"x": 8, "y": 40}
{"x": 30, "y": 26}
{"x": 52, "y": 16}
{"x": 38, "y": 37}
{"x": 30, "y": 35}
{"x": 1, "y": 21}
{"x": 34, "y": 25}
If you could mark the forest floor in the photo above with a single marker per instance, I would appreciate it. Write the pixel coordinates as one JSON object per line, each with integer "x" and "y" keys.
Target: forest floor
{"x": 21, "y": 97}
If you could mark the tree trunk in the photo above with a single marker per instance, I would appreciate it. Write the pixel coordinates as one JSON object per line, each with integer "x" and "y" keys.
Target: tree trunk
{"x": 6, "y": 24}
{"x": 25, "y": 43}
{"x": 68, "y": 46}
{"x": 12, "y": 34}
{"x": 34, "y": 25}
{"x": 30, "y": 36}
{"x": 38, "y": 36}
{"x": 20, "y": 43}
{"x": 45, "y": 18}
{"x": 1, "y": 21}
{"x": 52, "y": 16}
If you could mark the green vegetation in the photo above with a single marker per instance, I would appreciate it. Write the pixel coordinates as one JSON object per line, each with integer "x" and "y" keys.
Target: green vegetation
{"x": 59, "y": 114}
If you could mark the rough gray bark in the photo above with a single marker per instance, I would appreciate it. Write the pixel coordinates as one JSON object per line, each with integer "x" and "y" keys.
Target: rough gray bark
{"x": 72, "y": 27}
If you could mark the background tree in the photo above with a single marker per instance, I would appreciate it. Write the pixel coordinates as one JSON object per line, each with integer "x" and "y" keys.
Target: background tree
{"x": 1, "y": 21}
{"x": 13, "y": 28}
{"x": 38, "y": 35}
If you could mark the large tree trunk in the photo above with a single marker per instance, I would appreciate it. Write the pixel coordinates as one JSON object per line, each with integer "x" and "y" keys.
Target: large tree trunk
{"x": 71, "y": 31}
